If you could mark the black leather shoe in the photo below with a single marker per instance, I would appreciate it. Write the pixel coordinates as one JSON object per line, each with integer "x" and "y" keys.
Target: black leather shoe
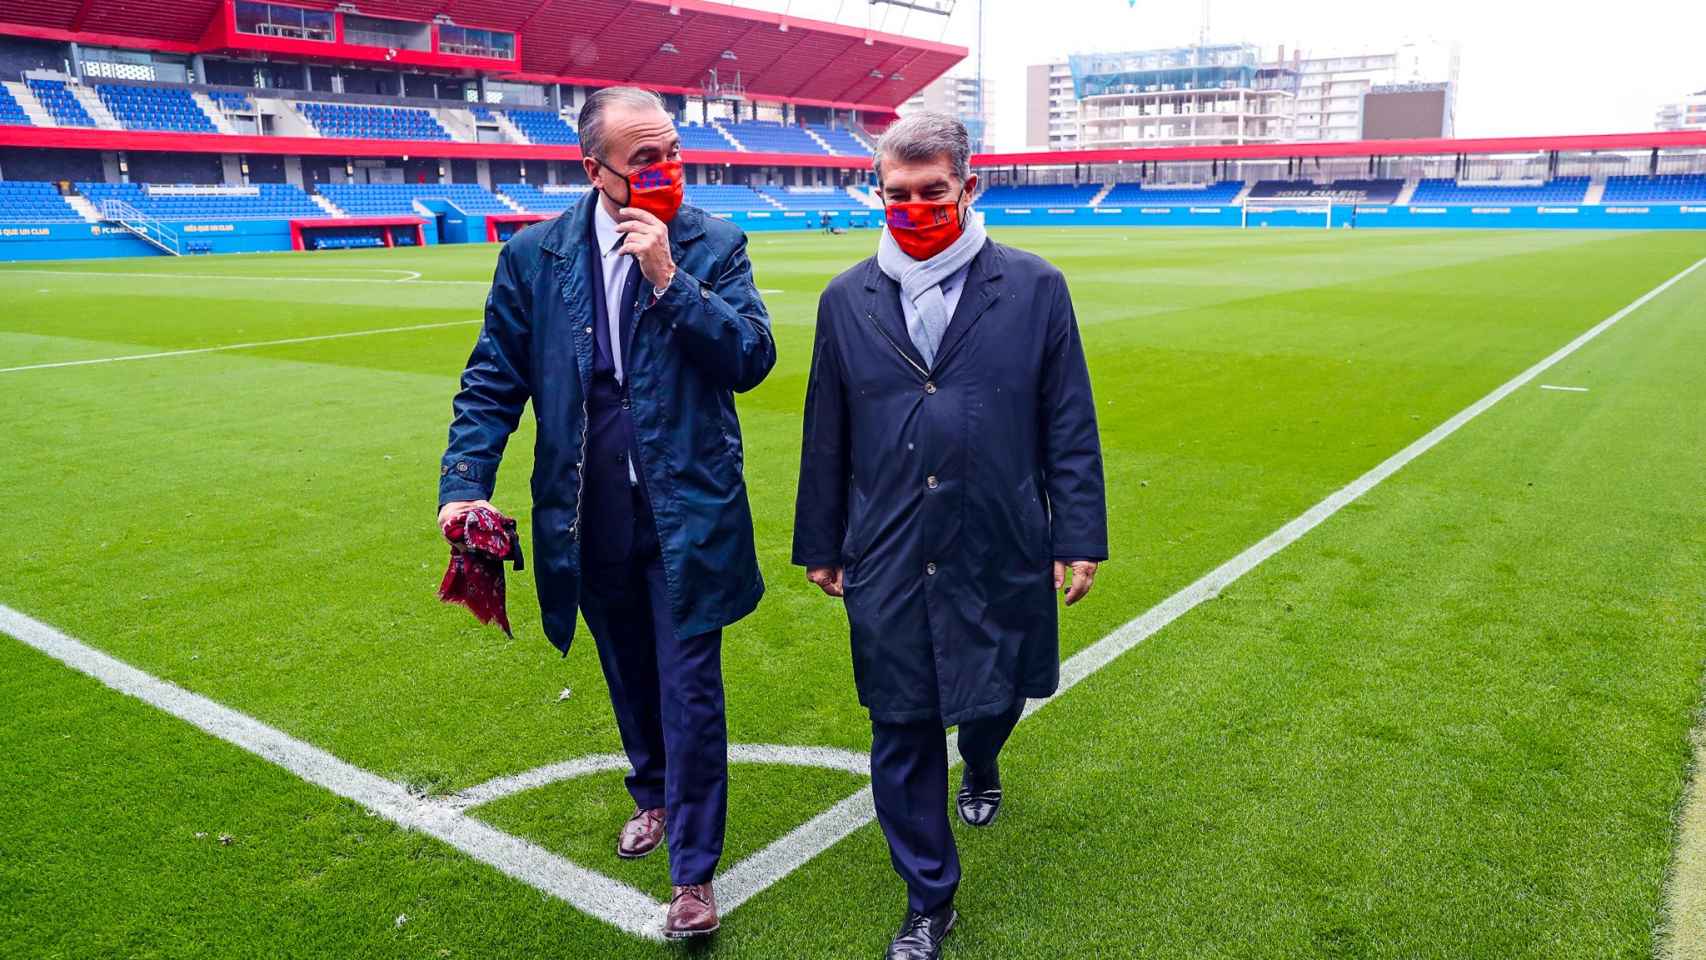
{"x": 980, "y": 796}
{"x": 921, "y": 934}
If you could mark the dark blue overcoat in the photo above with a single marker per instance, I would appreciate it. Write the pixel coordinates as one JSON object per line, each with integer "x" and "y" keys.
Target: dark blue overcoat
{"x": 706, "y": 339}
{"x": 947, "y": 493}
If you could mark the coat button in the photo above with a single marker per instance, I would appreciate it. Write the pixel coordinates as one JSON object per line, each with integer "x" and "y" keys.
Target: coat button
{"x": 588, "y": 329}
{"x": 704, "y": 293}
{"x": 462, "y": 468}
{"x": 930, "y": 386}
{"x": 930, "y": 569}
{"x": 931, "y": 483}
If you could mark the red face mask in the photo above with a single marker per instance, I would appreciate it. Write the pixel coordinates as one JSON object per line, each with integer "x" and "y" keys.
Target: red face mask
{"x": 925, "y": 228}
{"x": 657, "y": 188}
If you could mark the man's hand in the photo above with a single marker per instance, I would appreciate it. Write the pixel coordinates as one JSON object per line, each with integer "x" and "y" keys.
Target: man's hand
{"x": 456, "y": 509}
{"x": 647, "y": 238}
{"x": 1083, "y": 578}
{"x": 828, "y": 579}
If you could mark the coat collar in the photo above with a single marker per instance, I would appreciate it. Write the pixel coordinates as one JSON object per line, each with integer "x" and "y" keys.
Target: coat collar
{"x": 982, "y": 289}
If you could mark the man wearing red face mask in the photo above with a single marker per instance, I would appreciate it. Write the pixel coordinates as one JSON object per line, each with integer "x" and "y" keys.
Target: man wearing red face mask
{"x": 630, "y": 322}
{"x": 950, "y": 485}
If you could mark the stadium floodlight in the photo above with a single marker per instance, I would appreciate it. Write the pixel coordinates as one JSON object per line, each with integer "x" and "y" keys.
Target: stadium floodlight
{"x": 943, "y": 7}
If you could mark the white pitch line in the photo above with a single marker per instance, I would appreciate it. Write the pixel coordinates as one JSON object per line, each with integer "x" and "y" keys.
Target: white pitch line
{"x": 758, "y": 872}
{"x": 1548, "y": 386}
{"x": 168, "y": 275}
{"x": 616, "y": 903}
{"x": 236, "y": 346}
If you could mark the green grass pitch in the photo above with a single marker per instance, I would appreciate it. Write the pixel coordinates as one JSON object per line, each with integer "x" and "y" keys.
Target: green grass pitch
{"x": 1453, "y": 721}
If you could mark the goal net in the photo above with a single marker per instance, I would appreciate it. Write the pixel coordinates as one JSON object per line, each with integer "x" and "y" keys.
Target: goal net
{"x": 1289, "y": 212}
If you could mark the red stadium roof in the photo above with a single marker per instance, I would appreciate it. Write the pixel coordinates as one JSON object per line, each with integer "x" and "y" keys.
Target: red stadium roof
{"x": 1662, "y": 140}
{"x": 593, "y": 42}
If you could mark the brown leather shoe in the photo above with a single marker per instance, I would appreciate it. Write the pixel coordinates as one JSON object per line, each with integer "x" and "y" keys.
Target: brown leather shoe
{"x": 692, "y": 912}
{"x": 641, "y": 834}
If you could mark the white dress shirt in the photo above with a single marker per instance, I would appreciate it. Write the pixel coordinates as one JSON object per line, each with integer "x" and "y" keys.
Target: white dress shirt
{"x": 616, "y": 266}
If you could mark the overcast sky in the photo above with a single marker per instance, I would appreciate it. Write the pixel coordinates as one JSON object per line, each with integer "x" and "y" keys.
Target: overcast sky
{"x": 1527, "y": 68}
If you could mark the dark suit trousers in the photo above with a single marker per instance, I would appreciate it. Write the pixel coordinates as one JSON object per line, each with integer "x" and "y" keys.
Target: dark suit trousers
{"x": 909, "y": 783}
{"x": 667, "y": 692}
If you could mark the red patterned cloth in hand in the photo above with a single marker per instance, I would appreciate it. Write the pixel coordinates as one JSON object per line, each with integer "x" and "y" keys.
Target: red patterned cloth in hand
{"x": 480, "y": 541}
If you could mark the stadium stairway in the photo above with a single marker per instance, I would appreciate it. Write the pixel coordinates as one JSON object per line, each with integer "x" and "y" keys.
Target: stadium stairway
{"x": 1596, "y": 192}
{"x": 26, "y": 100}
{"x": 1409, "y": 191}
{"x": 1101, "y": 194}
{"x": 819, "y": 140}
{"x": 507, "y": 127}
{"x": 94, "y": 106}
{"x": 726, "y": 135}
{"x": 84, "y": 208}
{"x": 323, "y": 203}
{"x": 215, "y": 115}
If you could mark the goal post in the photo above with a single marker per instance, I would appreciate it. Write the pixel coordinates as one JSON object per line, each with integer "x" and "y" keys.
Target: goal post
{"x": 1303, "y": 212}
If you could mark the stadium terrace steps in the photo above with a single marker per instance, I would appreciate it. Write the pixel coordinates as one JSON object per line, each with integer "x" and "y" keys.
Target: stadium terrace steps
{"x": 84, "y": 208}
{"x": 373, "y": 123}
{"x": 1101, "y": 195}
{"x": 214, "y": 114}
{"x": 1220, "y": 193}
{"x": 769, "y": 136}
{"x": 326, "y": 205}
{"x": 812, "y": 199}
{"x": 59, "y": 103}
{"x": 1040, "y": 195}
{"x": 530, "y": 198}
{"x": 508, "y": 129}
{"x": 542, "y": 127}
{"x": 400, "y": 199}
{"x": 696, "y": 136}
{"x": 839, "y": 140}
{"x": 95, "y": 106}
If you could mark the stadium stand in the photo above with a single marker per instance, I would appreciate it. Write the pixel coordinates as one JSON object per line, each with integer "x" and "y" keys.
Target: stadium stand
{"x": 726, "y": 197}
{"x": 1446, "y": 191}
{"x": 373, "y": 123}
{"x": 60, "y": 103}
{"x": 232, "y": 100}
{"x": 767, "y": 136}
{"x": 269, "y": 201}
{"x": 534, "y": 200}
{"x": 10, "y": 111}
{"x": 812, "y": 198}
{"x": 480, "y": 113}
{"x": 389, "y": 199}
{"x": 33, "y": 202}
{"x": 698, "y": 137}
{"x": 1216, "y": 193}
{"x": 1664, "y": 188}
{"x": 1048, "y": 195}
{"x": 543, "y": 126}
{"x": 154, "y": 108}
{"x": 840, "y": 140}
{"x": 1345, "y": 191}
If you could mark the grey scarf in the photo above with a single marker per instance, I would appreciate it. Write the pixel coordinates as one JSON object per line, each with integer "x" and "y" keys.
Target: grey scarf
{"x": 921, "y": 282}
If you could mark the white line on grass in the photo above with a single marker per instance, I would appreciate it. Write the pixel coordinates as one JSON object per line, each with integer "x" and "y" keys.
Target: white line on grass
{"x": 1548, "y": 386}
{"x": 612, "y": 901}
{"x": 169, "y": 275}
{"x": 615, "y": 902}
{"x": 758, "y": 872}
{"x": 237, "y": 346}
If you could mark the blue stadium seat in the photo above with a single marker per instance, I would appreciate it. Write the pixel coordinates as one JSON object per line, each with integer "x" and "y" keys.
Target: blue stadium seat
{"x": 28, "y": 201}
{"x": 398, "y": 199}
{"x": 726, "y": 198}
{"x": 812, "y": 199}
{"x": 697, "y": 137}
{"x": 1046, "y": 195}
{"x": 11, "y": 112}
{"x": 1444, "y": 191}
{"x": 841, "y": 140}
{"x": 543, "y": 126}
{"x": 548, "y": 200}
{"x": 234, "y": 101}
{"x": 1663, "y": 188}
{"x": 61, "y": 104}
{"x": 154, "y": 108}
{"x": 1340, "y": 191}
{"x": 270, "y": 201}
{"x": 1220, "y": 193}
{"x": 768, "y": 136}
{"x": 347, "y": 121}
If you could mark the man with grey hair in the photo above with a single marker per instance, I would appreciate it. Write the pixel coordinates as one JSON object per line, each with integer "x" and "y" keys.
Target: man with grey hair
{"x": 950, "y": 484}
{"x": 631, "y": 321}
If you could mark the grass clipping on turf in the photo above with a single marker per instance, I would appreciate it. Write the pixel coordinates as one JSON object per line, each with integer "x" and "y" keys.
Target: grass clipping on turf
{"x": 1684, "y": 933}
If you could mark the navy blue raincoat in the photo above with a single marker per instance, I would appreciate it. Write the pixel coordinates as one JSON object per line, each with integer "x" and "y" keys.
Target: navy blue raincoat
{"x": 947, "y": 493}
{"x": 705, "y": 340}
